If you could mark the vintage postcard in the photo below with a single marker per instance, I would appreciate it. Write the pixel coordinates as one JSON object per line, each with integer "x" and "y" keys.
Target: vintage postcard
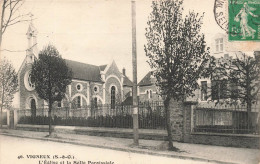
{"x": 133, "y": 81}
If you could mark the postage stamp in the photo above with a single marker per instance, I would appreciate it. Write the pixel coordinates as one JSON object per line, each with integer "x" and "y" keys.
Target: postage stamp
{"x": 244, "y": 20}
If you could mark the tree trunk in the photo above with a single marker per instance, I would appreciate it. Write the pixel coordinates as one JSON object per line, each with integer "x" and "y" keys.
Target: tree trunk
{"x": 1, "y": 26}
{"x": 2, "y": 101}
{"x": 249, "y": 122}
{"x": 168, "y": 123}
{"x": 50, "y": 118}
{"x": 1, "y": 118}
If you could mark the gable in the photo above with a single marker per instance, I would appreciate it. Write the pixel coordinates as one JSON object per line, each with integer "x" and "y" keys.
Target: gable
{"x": 146, "y": 80}
{"x": 25, "y": 62}
{"x": 113, "y": 69}
{"x": 21, "y": 67}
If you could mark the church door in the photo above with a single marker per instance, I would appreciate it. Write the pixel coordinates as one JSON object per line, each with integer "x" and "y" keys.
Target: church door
{"x": 33, "y": 107}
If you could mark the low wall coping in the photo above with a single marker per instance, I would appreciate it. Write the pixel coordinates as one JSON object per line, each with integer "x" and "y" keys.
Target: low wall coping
{"x": 228, "y": 135}
{"x": 96, "y": 129}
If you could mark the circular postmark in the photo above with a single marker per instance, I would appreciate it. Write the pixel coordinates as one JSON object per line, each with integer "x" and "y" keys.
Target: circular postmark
{"x": 220, "y": 13}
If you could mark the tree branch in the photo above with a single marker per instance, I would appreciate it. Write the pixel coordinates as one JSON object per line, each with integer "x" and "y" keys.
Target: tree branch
{"x": 12, "y": 9}
{"x": 26, "y": 20}
{"x": 18, "y": 50}
{"x": 19, "y": 17}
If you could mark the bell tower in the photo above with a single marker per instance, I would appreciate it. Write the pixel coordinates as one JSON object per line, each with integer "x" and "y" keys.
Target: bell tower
{"x": 32, "y": 50}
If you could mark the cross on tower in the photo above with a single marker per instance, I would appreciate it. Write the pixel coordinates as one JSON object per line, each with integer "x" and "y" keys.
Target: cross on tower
{"x": 31, "y": 16}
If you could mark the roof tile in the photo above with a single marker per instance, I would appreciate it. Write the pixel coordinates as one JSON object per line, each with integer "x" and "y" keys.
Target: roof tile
{"x": 82, "y": 71}
{"x": 128, "y": 82}
{"x": 146, "y": 80}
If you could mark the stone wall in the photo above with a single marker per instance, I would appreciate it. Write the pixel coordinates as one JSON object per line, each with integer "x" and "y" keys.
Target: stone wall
{"x": 177, "y": 119}
{"x": 244, "y": 141}
{"x": 182, "y": 122}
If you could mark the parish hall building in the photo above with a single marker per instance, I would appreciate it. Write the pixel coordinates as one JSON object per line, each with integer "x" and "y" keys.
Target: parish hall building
{"x": 103, "y": 84}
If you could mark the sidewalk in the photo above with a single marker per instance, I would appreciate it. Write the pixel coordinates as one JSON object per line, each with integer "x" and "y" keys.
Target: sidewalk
{"x": 214, "y": 154}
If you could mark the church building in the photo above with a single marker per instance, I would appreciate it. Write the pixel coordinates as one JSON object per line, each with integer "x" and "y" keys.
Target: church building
{"x": 103, "y": 84}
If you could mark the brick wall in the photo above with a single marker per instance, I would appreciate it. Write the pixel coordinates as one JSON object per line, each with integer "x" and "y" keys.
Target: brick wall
{"x": 113, "y": 77}
{"x": 98, "y": 93}
{"x": 112, "y": 81}
{"x": 143, "y": 96}
{"x": 74, "y": 89}
{"x": 26, "y": 94}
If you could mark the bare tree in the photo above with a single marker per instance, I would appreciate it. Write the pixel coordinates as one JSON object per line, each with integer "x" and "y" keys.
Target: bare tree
{"x": 10, "y": 15}
{"x": 242, "y": 79}
{"x": 236, "y": 81}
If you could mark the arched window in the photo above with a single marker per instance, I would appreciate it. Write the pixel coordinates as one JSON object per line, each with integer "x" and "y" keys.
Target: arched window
{"x": 95, "y": 102}
{"x": 149, "y": 94}
{"x": 59, "y": 104}
{"x": 113, "y": 97}
{"x": 78, "y": 102}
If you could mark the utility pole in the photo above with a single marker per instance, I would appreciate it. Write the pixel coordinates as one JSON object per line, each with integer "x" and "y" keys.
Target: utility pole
{"x": 134, "y": 61}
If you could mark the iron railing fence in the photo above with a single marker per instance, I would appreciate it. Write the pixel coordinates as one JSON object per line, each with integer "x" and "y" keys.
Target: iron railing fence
{"x": 151, "y": 116}
{"x": 234, "y": 120}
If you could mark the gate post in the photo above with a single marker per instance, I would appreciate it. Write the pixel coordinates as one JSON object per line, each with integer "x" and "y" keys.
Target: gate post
{"x": 177, "y": 119}
{"x": 189, "y": 107}
{"x": 8, "y": 118}
{"x": 15, "y": 118}
{"x": 192, "y": 118}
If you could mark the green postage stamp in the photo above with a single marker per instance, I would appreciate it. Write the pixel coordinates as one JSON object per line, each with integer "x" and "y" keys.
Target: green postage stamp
{"x": 244, "y": 20}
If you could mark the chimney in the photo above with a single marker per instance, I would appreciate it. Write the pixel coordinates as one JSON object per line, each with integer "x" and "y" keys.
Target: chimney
{"x": 226, "y": 56}
{"x": 123, "y": 71}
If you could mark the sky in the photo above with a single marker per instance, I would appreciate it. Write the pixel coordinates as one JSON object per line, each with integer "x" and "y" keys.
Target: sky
{"x": 94, "y": 31}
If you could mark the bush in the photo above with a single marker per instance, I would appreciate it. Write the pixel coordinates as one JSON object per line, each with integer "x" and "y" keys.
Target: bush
{"x": 151, "y": 121}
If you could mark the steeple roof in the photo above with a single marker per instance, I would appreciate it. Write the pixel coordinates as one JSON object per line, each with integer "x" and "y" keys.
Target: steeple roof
{"x": 31, "y": 29}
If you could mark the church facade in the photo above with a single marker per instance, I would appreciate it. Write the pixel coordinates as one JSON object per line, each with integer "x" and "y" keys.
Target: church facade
{"x": 103, "y": 84}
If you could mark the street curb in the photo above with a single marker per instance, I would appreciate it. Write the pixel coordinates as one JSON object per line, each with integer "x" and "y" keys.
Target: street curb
{"x": 149, "y": 152}
{"x": 98, "y": 131}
